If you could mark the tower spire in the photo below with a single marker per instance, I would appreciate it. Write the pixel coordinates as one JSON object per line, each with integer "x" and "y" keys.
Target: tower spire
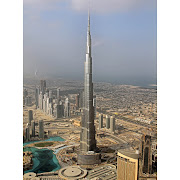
{"x": 89, "y": 17}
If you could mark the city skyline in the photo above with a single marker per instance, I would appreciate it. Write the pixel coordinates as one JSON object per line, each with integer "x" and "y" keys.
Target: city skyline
{"x": 125, "y": 40}
{"x": 81, "y": 143}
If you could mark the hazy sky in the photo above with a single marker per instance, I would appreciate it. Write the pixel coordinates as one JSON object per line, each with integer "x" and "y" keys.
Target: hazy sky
{"x": 123, "y": 37}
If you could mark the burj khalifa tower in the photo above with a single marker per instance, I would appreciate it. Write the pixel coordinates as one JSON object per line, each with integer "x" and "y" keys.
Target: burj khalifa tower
{"x": 88, "y": 148}
{"x": 87, "y": 137}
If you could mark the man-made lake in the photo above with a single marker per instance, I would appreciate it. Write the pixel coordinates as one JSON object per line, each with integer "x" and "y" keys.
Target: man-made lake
{"x": 43, "y": 159}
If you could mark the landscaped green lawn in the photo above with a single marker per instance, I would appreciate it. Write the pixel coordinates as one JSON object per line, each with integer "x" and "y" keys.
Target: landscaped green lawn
{"x": 43, "y": 144}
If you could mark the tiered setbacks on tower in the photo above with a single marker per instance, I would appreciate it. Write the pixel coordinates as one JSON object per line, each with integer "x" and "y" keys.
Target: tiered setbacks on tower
{"x": 88, "y": 148}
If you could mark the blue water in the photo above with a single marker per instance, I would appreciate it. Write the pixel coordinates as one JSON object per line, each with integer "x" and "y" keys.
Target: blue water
{"x": 57, "y": 150}
{"x": 44, "y": 160}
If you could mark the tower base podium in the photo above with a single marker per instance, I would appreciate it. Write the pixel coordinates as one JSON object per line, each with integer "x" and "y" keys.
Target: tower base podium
{"x": 89, "y": 158}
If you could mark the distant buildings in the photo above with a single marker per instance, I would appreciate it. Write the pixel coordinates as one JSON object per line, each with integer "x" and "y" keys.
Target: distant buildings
{"x": 77, "y": 101}
{"x": 41, "y": 100}
{"x": 127, "y": 165}
{"x": 67, "y": 108}
{"x": 100, "y": 121}
{"x": 81, "y": 96}
{"x": 51, "y": 105}
{"x": 41, "y": 129}
{"x": 27, "y": 132}
{"x": 107, "y": 121}
{"x": 37, "y": 92}
{"x": 43, "y": 86}
{"x": 30, "y": 116}
{"x": 28, "y": 101}
{"x": 112, "y": 124}
{"x": 25, "y": 93}
{"x": 33, "y": 128}
{"x": 50, "y": 94}
{"x": 59, "y": 110}
{"x": 58, "y": 93}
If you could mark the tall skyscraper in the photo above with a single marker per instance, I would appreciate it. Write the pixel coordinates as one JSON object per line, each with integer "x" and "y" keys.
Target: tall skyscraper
{"x": 50, "y": 94}
{"x": 41, "y": 101}
{"x": 107, "y": 121}
{"x": 41, "y": 129}
{"x": 30, "y": 116}
{"x": 67, "y": 108}
{"x": 27, "y": 132}
{"x": 28, "y": 101}
{"x": 37, "y": 91}
{"x": 77, "y": 101}
{"x": 25, "y": 93}
{"x": 43, "y": 86}
{"x": 100, "y": 121}
{"x": 146, "y": 153}
{"x": 87, "y": 136}
{"x": 58, "y": 93}
{"x": 59, "y": 110}
{"x": 81, "y": 97}
{"x": 112, "y": 123}
{"x": 45, "y": 102}
{"x": 33, "y": 128}
{"x": 127, "y": 165}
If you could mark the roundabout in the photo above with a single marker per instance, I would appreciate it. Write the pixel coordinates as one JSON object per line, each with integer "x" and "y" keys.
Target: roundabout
{"x": 72, "y": 172}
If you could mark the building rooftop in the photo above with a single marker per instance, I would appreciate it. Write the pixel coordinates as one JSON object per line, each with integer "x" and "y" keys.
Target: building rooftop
{"x": 107, "y": 172}
{"x": 129, "y": 153}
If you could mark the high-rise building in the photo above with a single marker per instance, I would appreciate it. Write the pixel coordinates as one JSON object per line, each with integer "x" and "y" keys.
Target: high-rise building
{"x": 67, "y": 108}
{"x": 30, "y": 116}
{"x": 28, "y": 101}
{"x": 146, "y": 153}
{"x": 41, "y": 129}
{"x": 50, "y": 94}
{"x": 51, "y": 109}
{"x": 45, "y": 102}
{"x": 33, "y": 128}
{"x": 44, "y": 105}
{"x": 87, "y": 136}
{"x": 41, "y": 101}
{"x": 81, "y": 97}
{"x": 59, "y": 110}
{"x": 37, "y": 91}
{"x": 25, "y": 93}
{"x": 43, "y": 86}
{"x": 58, "y": 93}
{"x": 100, "y": 121}
{"x": 107, "y": 121}
{"x": 77, "y": 101}
{"x": 127, "y": 165}
{"x": 94, "y": 106}
{"x": 112, "y": 124}
{"x": 27, "y": 132}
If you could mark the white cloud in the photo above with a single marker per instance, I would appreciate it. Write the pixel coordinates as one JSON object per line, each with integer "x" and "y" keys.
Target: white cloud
{"x": 98, "y": 6}
{"x": 97, "y": 42}
{"x": 42, "y": 5}
{"x": 102, "y": 6}
{"x": 40, "y": 1}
